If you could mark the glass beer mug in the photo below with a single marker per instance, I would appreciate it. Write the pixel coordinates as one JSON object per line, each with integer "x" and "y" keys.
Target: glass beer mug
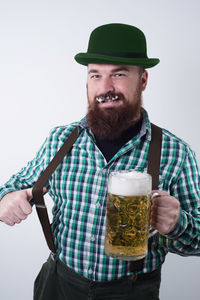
{"x": 127, "y": 216}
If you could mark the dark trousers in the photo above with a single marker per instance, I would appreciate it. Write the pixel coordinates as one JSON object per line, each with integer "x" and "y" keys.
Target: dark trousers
{"x": 58, "y": 282}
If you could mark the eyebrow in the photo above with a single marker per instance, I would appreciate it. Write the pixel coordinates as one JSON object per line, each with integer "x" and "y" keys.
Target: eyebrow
{"x": 112, "y": 71}
{"x": 120, "y": 69}
{"x": 93, "y": 71}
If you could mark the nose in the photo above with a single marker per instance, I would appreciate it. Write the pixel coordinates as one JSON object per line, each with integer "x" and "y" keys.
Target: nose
{"x": 107, "y": 85}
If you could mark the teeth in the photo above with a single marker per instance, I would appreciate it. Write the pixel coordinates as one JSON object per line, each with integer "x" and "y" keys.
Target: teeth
{"x": 115, "y": 98}
{"x": 107, "y": 99}
{"x": 99, "y": 99}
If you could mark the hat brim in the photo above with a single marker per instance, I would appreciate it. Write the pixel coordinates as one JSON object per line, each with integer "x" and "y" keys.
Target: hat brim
{"x": 91, "y": 58}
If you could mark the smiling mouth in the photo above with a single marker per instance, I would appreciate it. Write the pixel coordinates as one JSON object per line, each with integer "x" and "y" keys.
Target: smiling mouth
{"x": 107, "y": 99}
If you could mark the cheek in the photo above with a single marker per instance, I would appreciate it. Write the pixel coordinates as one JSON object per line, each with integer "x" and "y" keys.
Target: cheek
{"x": 90, "y": 95}
{"x": 91, "y": 90}
{"x": 132, "y": 89}
{"x": 126, "y": 90}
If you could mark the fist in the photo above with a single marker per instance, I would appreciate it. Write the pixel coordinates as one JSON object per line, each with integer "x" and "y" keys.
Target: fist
{"x": 15, "y": 206}
{"x": 165, "y": 212}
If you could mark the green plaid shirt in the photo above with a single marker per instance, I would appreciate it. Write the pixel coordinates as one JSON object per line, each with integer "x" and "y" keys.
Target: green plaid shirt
{"x": 78, "y": 188}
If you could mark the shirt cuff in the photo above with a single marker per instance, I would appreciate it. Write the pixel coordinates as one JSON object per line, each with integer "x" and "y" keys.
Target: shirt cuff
{"x": 5, "y": 191}
{"x": 180, "y": 227}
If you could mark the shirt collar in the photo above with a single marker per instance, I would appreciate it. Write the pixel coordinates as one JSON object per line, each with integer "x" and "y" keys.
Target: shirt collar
{"x": 145, "y": 128}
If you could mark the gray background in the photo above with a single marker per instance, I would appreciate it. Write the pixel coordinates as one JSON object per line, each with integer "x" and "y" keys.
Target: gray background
{"x": 41, "y": 86}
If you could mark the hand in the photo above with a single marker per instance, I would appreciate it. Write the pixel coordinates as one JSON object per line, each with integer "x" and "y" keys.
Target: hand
{"x": 15, "y": 206}
{"x": 165, "y": 212}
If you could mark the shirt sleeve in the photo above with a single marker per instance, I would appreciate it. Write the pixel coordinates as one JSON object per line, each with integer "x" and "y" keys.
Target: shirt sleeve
{"x": 185, "y": 237}
{"x": 28, "y": 175}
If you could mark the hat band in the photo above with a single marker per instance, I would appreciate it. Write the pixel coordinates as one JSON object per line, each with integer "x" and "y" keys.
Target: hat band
{"x": 121, "y": 54}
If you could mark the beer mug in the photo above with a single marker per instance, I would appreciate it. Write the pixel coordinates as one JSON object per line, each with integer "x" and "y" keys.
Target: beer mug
{"x": 128, "y": 213}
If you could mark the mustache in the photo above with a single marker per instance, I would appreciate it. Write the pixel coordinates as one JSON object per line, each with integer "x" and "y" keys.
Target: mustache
{"x": 110, "y": 96}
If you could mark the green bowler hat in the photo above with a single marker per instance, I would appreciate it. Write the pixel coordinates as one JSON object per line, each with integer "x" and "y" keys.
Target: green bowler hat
{"x": 119, "y": 44}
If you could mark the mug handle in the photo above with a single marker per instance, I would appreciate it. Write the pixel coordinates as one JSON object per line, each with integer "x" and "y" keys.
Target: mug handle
{"x": 152, "y": 231}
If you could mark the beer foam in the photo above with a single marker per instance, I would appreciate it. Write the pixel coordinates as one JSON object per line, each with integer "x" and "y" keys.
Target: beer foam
{"x": 129, "y": 183}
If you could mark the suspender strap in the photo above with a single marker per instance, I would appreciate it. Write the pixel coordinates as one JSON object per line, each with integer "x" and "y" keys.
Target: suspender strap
{"x": 153, "y": 169}
{"x": 154, "y": 155}
{"x": 38, "y": 188}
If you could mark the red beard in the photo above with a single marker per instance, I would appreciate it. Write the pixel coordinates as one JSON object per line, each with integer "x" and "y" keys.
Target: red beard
{"x": 110, "y": 123}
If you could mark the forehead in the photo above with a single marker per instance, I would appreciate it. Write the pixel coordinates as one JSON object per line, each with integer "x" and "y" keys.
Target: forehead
{"x": 110, "y": 68}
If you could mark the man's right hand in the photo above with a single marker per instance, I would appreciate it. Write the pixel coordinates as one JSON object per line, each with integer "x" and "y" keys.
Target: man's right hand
{"x": 15, "y": 206}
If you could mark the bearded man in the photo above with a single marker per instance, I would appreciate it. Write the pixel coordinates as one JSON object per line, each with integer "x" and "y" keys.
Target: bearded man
{"x": 115, "y": 135}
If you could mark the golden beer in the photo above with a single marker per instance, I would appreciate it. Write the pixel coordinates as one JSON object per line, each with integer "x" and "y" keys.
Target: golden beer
{"x": 127, "y": 220}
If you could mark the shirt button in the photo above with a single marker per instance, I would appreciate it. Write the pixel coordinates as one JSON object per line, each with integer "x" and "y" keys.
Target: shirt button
{"x": 92, "y": 238}
{"x": 98, "y": 205}
{"x": 90, "y": 271}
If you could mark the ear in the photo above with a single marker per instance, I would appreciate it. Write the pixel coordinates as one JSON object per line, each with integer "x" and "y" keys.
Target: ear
{"x": 144, "y": 79}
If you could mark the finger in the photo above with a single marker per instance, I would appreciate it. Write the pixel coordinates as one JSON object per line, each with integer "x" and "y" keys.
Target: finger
{"x": 161, "y": 227}
{"x": 20, "y": 214}
{"x": 161, "y": 193}
{"x": 25, "y": 207}
{"x": 159, "y": 220}
{"x": 11, "y": 221}
{"x": 162, "y": 200}
{"x": 154, "y": 195}
{"x": 16, "y": 219}
{"x": 7, "y": 221}
{"x": 153, "y": 223}
{"x": 165, "y": 202}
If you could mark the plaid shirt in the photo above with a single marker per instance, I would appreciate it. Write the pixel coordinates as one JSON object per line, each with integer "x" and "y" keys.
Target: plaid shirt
{"x": 78, "y": 188}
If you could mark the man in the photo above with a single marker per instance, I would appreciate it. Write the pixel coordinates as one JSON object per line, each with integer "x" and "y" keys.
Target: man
{"x": 114, "y": 135}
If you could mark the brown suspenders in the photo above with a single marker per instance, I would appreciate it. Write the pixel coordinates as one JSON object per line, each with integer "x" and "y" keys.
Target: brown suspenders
{"x": 153, "y": 169}
{"x": 38, "y": 188}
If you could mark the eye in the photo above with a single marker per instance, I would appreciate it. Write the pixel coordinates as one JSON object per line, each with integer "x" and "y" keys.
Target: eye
{"x": 119, "y": 75}
{"x": 95, "y": 76}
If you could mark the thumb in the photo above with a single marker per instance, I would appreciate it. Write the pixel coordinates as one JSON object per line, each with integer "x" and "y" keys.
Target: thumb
{"x": 29, "y": 193}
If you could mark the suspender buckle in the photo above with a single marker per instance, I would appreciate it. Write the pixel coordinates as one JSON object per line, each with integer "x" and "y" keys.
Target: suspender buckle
{"x": 53, "y": 256}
